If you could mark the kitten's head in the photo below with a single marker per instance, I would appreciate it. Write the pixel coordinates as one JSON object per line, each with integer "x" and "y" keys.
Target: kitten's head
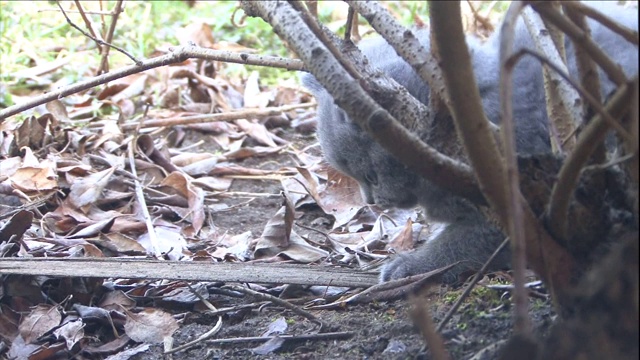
{"x": 383, "y": 180}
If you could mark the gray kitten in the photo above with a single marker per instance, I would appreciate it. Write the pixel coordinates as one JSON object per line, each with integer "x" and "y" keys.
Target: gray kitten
{"x": 468, "y": 237}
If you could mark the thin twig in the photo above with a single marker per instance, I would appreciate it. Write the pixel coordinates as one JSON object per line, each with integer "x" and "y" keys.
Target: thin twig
{"x": 343, "y": 335}
{"x": 85, "y": 19}
{"x": 104, "y": 64}
{"x": 226, "y": 116}
{"x": 94, "y": 38}
{"x": 597, "y": 106}
{"x": 216, "y": 328}
{"x": 153, "y": 238}
{"x": 178, "y": 55}
{"x": 563, "y": 107}
{"x": 579, "y": 38}
{"x": 422, "y": 318}
{"x": 351, "y": 20}
{"x": 515, "y": 222}
{"x": 312, "y": 23}
{"x": 278, "y": 301}
{"x": 628, "y": 34}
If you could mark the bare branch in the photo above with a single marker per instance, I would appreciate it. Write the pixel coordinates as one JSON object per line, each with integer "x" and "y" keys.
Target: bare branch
{"x": 443, "y": 171}
{"x": 563, "y": 102}
{"x": 593, "y": 134}
{"x": 92, "y": 36}
{"x": 104, "y": 65}
{"x": 579, "y": 37}
{"x": 597, "y": 106}
{"x": 179, "y": 55}
{"x": 552, "y": 262}
{"x": 628, "y": 34}
{"x": 514, "y": 206}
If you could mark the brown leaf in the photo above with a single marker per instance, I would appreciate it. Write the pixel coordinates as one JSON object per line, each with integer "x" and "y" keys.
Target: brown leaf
{"x": 34, "y": 176}
{"x": 150, "y": 326}
{"x": 30, "y": 134}
{"x": 236, "y": 247}
{"x": 119, "y": 243}
{"x": 195, "y": 196}
{"x": 58, "y": 110}
{"x": 404, "y": 240}
{"x": 277, "y": 231}
{"x": 9, "y": 320}
{"x": 256, "y": 131}
{"x": 116, "y": 300}
{"x": 198, "y": 33}
{"x": 41, "y": 320}
{"x": 17, "y": 225}
{"x": 87, "y": 190}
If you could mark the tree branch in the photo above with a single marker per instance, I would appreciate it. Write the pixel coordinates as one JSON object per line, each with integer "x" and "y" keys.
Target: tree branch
{"x": 179, "y": 55}
{"x": 579, "y": 38}
{"x": 552, "y": 262}
{"x": 443, "y": 171}
{"x": 563, "y": 102}
{"x": 594, "y": 133}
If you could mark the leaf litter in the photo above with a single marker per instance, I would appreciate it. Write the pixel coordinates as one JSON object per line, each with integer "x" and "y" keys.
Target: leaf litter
{"x": 82, "y": 177}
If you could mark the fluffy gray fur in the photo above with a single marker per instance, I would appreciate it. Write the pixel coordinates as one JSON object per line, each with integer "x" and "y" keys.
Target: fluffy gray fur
{"x": 467, "y": 238}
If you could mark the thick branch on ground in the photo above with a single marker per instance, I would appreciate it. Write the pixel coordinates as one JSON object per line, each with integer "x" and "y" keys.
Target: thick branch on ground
{"x": 552, "y": 262}
{"x": 563, "y": 102}
{"x": 188, "y": 271}
{"x": 179, "y": 55}
{"x": 421, "y": 158}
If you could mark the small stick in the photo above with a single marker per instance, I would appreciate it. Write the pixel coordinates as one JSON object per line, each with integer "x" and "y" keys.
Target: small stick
{"x": 278, "y": 301}
{"x": 342, "y": 335}
{"x": 93, "y": 37}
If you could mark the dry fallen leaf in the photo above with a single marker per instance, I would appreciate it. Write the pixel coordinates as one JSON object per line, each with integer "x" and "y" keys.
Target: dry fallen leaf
{"x": 71, "y": 332}
{"x": 150, "y": 326}
{"x": 39, "y": 321}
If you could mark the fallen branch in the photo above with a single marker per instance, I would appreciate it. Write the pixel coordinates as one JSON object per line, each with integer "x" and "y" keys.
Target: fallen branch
{"x": 207, "y": 118}
{"x": 189, "y": 271}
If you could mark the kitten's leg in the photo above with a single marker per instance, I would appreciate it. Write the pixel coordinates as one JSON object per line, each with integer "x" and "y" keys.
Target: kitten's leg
{"x": 470, "y": 242}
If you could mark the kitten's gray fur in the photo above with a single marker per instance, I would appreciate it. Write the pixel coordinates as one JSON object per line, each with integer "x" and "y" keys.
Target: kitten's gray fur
{"x": 468, "y": 237}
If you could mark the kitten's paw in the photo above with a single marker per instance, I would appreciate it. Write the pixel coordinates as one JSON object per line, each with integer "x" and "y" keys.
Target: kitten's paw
{"x": 405, "y": 265}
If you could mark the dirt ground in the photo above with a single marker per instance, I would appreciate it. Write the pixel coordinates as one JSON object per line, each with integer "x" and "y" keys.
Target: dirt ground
{"x": 378, "y": 330}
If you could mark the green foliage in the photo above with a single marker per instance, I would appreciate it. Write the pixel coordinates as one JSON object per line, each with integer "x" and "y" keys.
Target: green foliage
{"x": 32, "y": 33}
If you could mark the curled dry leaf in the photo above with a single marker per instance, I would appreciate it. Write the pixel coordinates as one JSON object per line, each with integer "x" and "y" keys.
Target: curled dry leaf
{"x": 16, "y": 226}
{"x": 194, "y": 195}
{"x": 169, "y": 241}
{"x": 35, "y": 176}
{"x": 277, "y": 232}
{"x": 87, "y": 190}
{"x": 71, "y": 332}
{"x": 256, "y": 131}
